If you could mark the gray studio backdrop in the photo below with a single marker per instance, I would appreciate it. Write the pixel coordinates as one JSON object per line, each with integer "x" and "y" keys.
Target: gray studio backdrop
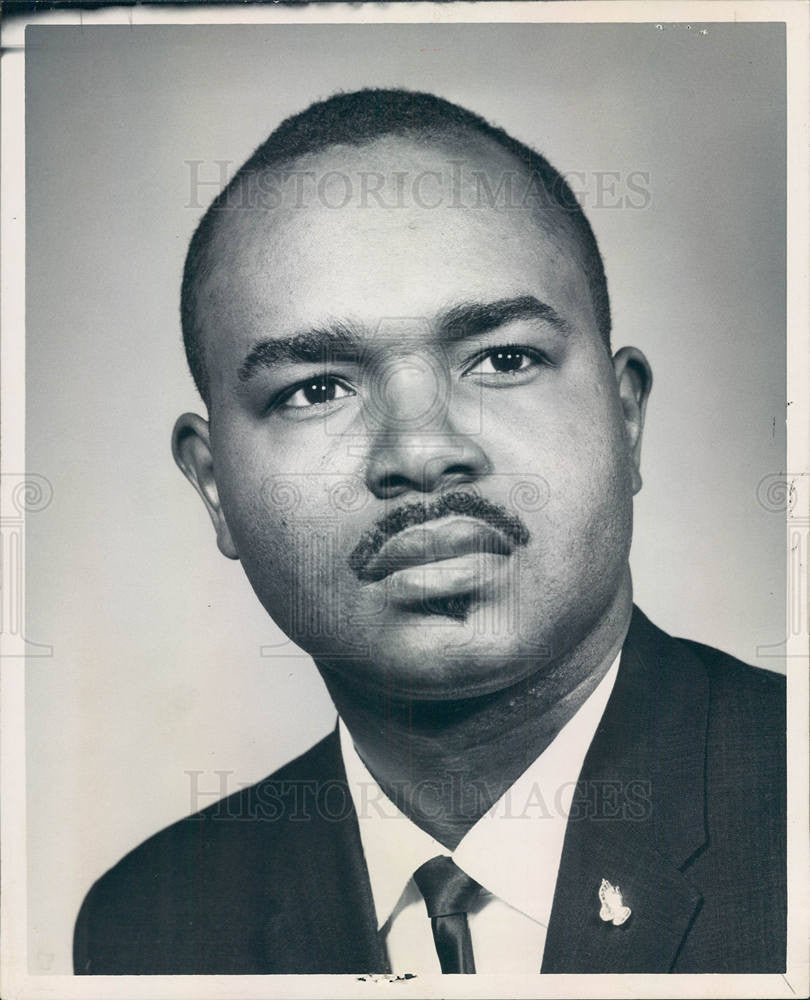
{"x": 167, "y": 683}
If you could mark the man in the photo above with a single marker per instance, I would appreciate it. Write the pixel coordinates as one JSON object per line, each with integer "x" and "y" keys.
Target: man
{"x": 424, "y": 454}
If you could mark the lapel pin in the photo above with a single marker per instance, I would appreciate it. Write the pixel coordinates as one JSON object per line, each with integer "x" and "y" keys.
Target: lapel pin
{"x": 612, "y": 908}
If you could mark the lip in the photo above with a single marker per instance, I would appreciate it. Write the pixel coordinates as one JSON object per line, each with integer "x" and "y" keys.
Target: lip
{"x": 480, "y": 575}
{"x": 446, "y": 539}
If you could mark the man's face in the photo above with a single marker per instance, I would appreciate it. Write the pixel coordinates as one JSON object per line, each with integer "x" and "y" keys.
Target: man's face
{"x": 420, "y": 454}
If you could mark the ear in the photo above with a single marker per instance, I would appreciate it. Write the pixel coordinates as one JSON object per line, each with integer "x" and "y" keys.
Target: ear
{"x": 191, "y": 447}
{"x": 634, "y": 378}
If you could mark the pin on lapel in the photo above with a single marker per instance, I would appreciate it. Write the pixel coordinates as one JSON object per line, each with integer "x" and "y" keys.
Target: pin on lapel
{"x": 612, "y": 906}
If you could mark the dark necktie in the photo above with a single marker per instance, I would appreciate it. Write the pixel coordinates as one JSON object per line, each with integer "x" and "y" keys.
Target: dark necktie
{"x": 448, "y": 894}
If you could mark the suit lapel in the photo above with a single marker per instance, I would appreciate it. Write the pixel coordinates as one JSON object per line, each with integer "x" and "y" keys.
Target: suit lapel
{"x": 662, "y": 902}
{"x": 323, "y": 909}
{"x": 637, "y": 816}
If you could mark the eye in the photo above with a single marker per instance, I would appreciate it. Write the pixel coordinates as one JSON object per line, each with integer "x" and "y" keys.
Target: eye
{"x": 506, "y": 360}
{"x": 314, "y": 392}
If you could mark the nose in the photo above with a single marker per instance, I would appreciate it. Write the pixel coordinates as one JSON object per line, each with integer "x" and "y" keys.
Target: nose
{"x": 416, "y": 445}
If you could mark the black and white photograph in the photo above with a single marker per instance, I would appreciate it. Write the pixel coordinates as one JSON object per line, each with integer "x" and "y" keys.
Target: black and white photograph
{"x": 405, "y": 501}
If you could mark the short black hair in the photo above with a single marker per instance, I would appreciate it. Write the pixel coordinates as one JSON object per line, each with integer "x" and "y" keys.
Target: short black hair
{"x": 357, "y": 118}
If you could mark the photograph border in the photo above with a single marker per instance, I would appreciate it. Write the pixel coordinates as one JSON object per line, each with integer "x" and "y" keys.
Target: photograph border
{"x": 15, "y": 981}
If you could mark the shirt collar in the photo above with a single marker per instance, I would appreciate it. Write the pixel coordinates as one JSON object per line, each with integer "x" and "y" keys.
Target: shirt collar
{"x": 513, "y": 850}
{"x": 394, "y": 847}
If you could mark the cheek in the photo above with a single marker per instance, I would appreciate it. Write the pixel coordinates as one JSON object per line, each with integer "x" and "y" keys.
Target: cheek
{"x": 596, "y": 487}
{"x": 283, "y": 555}
{"x": 572, "y": 435}
{"x": 287, "y": 519}
{"x": 571, "y": 444}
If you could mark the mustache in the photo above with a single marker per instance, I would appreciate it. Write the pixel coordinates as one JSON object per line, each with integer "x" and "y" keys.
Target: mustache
{"x": 468, "y": 504}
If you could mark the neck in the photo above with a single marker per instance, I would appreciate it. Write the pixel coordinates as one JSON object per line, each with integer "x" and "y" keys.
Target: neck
{"x": 445, "y": 763}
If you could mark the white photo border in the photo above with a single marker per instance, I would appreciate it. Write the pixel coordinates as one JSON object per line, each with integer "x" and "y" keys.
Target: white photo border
{"x": 15, "y": 981}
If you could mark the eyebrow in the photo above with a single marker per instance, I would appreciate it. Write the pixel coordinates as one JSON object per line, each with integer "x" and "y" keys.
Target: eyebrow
{"x": 474, "y": 318}
{"x": 343, "y": 342}
{"x": 336, "y": 342}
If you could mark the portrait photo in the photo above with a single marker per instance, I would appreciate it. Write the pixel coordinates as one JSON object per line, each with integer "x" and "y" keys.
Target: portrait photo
{"x": 405, "y": 529}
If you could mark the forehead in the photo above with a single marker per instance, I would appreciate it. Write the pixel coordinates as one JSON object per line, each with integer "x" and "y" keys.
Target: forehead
{"x": 389, "y": 230}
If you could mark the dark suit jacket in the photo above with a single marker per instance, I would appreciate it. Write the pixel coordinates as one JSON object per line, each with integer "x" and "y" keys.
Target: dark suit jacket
{"x": 681, "y": 802}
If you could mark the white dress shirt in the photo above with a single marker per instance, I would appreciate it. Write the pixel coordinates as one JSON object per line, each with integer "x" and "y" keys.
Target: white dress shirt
{"x": 513, "y": 851}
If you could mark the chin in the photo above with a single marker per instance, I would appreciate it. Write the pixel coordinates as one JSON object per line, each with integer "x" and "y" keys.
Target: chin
{"x": 445, "y": 656}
